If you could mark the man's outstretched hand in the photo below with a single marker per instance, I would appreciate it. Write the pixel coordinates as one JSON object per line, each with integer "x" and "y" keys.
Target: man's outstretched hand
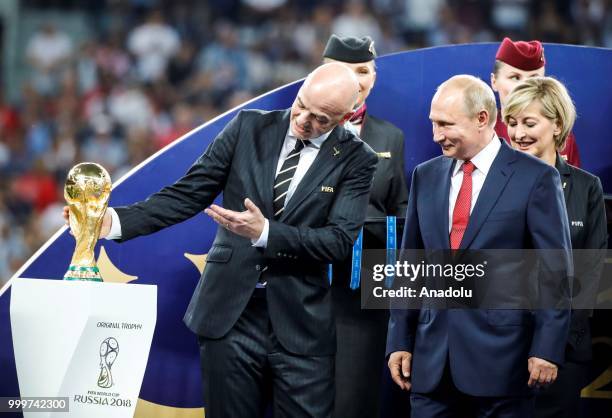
{"x": 249, "y": 223}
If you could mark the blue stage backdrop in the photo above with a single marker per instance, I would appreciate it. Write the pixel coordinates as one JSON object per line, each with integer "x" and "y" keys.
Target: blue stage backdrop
{"x": 172, "y": 259}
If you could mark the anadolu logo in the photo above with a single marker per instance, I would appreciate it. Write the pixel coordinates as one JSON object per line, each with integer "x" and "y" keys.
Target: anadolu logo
{"x": 109, "y": 350}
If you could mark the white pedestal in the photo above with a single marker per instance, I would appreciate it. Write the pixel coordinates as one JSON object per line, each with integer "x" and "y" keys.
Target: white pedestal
{"x": 85, "y": 341}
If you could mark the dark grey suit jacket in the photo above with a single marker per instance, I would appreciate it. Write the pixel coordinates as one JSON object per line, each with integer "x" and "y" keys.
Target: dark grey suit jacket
{"x": 587, "y": 220}
{"x": 317, "y": 227}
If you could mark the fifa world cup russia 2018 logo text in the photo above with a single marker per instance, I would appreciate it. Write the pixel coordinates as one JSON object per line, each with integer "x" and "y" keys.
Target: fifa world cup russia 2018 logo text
{"x": 109, "y": 350}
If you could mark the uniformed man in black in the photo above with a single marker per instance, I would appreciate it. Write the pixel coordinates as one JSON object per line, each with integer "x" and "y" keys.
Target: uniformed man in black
{"x": 361, "y": 334}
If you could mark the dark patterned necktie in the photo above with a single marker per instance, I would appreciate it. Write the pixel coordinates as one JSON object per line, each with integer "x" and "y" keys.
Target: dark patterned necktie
{"x": 285, "y": 175}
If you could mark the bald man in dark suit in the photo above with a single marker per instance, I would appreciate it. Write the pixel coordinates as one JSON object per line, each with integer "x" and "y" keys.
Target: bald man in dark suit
{"x": 295, "y": 189}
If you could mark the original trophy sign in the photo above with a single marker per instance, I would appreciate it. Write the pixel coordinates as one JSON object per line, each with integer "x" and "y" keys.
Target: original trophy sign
{"x": 86, "y": 191}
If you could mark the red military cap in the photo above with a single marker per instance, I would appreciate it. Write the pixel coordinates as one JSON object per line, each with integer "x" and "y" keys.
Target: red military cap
{"x": 526, "y": 56}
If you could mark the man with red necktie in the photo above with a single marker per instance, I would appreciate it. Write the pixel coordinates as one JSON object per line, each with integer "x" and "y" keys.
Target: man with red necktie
{"x": 480, "y": 194}
{"x": 515, "y": 62}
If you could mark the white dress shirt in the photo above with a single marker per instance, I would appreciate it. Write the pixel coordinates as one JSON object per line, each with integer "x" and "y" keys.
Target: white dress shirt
{"x": 482, "y": 163}
{"x": 307, "y": 157}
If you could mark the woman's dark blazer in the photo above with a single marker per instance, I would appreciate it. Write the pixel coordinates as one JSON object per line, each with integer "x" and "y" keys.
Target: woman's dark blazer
{"x": 587, "y": 220}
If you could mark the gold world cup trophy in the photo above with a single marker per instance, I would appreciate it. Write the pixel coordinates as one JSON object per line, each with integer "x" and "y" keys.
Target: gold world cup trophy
{"x": 86, "y": 191}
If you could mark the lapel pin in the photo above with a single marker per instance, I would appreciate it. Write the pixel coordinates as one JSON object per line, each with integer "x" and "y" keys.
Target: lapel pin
{"x": 336, "y": 151}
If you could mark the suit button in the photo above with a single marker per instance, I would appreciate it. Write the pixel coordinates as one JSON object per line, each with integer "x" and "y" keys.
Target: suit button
{"x": 258, "y": 267}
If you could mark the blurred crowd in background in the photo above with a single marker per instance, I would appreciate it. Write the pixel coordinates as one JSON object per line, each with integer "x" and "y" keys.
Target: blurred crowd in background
{"x": 149, "y": 71}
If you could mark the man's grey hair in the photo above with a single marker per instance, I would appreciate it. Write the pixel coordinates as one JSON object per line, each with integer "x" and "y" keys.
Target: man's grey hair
{"x": 477, "y": 95}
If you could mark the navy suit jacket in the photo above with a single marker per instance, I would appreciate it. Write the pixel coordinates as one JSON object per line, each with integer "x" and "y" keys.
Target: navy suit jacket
{"x": 520, "y": 206}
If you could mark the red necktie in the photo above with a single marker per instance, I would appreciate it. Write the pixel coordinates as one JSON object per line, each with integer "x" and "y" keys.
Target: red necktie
{"x": 461, "y": 212}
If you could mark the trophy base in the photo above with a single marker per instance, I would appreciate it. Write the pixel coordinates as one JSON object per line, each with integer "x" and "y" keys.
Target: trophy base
{"x": 89, "y": 274}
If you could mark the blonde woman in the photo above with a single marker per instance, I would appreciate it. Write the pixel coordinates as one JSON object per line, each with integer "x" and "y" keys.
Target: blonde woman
{"x": 516, "y": 61}
{"x": 540, "y": 114}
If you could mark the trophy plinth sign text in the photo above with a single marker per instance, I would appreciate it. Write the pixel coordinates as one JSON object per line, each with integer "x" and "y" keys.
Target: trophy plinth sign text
{"x": 87, "y": 191}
